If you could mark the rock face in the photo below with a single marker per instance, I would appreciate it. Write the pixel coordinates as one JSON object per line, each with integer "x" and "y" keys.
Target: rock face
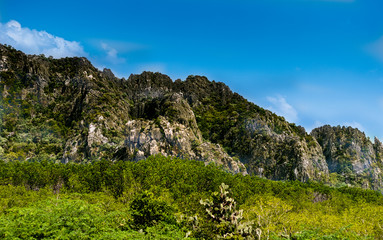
{"x": 284, "y": 153}
{"x": 351, "y": 154}
{"x": 145, "y": 138}
{"x": 67, "y": 110}
{"x": 268, "y": 145}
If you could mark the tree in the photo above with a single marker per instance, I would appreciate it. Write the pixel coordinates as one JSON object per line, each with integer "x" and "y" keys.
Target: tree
{"x": 223, "y": 218}
{"x": 148, "y": 211}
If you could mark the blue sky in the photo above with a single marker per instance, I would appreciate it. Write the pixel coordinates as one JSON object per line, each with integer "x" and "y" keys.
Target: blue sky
{"x": 314, "y": 62}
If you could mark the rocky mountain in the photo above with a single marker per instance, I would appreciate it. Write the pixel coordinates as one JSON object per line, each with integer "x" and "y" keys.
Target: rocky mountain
{"x": 351, "y": 155}
{"x": 66, "y": 110}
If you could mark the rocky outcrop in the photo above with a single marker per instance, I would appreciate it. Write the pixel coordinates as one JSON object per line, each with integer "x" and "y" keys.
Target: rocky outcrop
{"x": 96, "y": 115}
{"x": 66, "y": 110}
{"x": 150, "y": 137}
{"x": 351, "y": 154}
{"x": 280, "y": 155}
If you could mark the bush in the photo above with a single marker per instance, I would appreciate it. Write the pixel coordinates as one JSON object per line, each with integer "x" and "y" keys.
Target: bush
{"x": 58, "y": 219}
{"x": 147, "y": 211}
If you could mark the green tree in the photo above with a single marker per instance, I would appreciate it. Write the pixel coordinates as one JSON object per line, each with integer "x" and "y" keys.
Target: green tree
{"x": 148, "y": 211}
{"x": 223, "y": 218}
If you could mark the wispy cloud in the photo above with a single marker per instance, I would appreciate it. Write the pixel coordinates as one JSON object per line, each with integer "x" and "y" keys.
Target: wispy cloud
{"x": 121, "y": 46}
{"x": 339, "y": 1}
{"x": 355, "y": 125}
{"x": 32, "y": 41}
{"x": 316, "y": 124}
{"x": 344, "y": 1}
{"x": 280, "y": 106}
{"x": 112, "y": 54}
{"x": 153, "y": 67}
{"x": 376, "y": 49}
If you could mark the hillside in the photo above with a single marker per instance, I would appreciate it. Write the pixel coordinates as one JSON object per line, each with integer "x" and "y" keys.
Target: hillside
{"x": 66, "y": 110}
{"x": 160, "y": 198}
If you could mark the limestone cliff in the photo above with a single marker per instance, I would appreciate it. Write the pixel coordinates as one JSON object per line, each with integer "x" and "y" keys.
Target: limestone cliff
{"x": 66, "y": 110}
{"x": 351, "y": 155}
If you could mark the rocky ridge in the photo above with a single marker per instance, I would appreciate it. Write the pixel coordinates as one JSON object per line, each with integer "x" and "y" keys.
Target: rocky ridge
{"x": 351, "y": 155}
{"x": 66, "y": 110}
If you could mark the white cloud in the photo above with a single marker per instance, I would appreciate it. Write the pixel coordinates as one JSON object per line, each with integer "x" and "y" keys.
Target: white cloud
{"x": 340, "y": 1}
{"x": 281, "y": 107}
{"x": 38, "y": 42}
{"x": 153, "y": 67}
{"x": 111, "y": 54}
{"x": 316, "y": 124}
{"x": 120, "y": 46}
{"x": 355, "y": 125}
{"x": 345, "y": 1}
{"x": 376, "y": 49}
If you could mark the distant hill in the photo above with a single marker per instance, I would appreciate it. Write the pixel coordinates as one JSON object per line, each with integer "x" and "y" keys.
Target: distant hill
{"x": 66, "y": 110}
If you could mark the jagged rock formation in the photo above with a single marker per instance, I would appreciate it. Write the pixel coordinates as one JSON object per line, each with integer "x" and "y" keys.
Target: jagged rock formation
{"x": 351, "y": 154}
{"x": 269, "y": 146}
{"x": 67, "y": 110}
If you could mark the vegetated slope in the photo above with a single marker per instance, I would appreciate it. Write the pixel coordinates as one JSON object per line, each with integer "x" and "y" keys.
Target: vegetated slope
{"x": 161, "y": 196}
{"x": 68, "y": 111}
{"x": 269, "y": 145}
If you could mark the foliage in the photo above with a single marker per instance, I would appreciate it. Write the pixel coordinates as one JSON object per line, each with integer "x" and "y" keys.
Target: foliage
{"x": 268, "y": 214}
{"x": 148, "y": 211}
{"x": 113, "y": 200}
{"x": 224, "y": 221}
{"x": 70, "y": 219}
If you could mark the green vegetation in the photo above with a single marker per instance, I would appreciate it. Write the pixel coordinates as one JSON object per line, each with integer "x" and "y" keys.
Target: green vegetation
{"x": 170, "y": 198}
{"x": 42, "y": 109}
{"x": 252, "y": 134}
{"x": 65, "y": 110}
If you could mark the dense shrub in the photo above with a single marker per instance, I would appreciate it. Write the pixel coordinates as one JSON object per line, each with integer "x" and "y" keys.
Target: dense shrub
{"x": 161, "y": 196}
{"x": 147, "y": 211}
